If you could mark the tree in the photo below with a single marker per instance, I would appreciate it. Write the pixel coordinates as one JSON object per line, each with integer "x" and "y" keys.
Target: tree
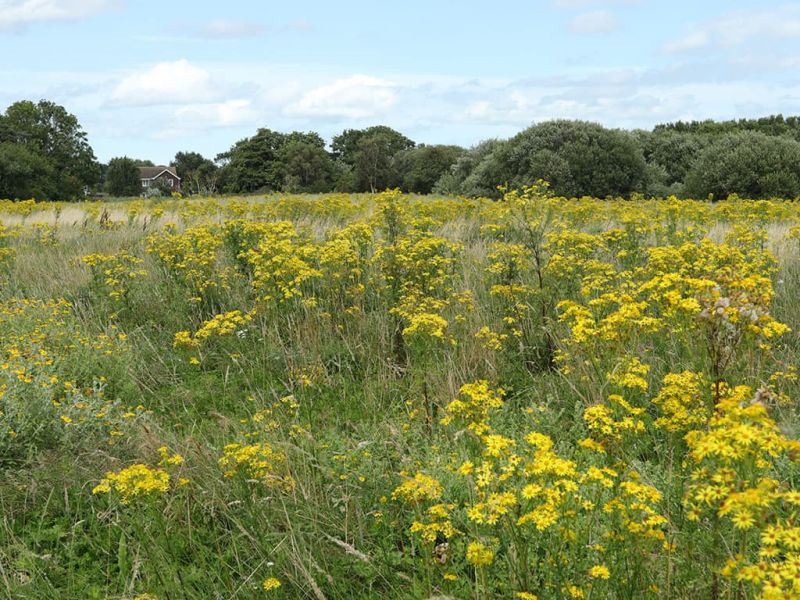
{"x": 23, "y": 174}
{"x": 578, "y": 158}
{"x": 51, "y": 136}
{"x": 475, "y": 173}
{"x": 372, "y": 162}
{"x": 747, "y": 163}
{"x": 671, "y": 154}
{"x": 372, "y": 166}
{"x": 122, "y": 177}
{"x": 204, "y": 179}
{"x": 772, "y": 125}
{"x": 159, "y": 187}
{"x": 251, "y": 165}
{"x": 198, "y": 174}
{"x": 345, "y": 145}
{"x": 307, "y": 165}
{"x": 186, "y": 163}
{"x": 418, "y": 169}
{"x": 368, "y": 152}
{"x": 258, "y": 163}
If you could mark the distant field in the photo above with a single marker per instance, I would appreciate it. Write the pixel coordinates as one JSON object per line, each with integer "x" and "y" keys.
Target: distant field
{"x": 389, "y": 396}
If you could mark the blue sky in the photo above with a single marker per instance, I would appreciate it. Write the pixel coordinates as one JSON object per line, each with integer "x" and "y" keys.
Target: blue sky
{"x": 148, "y": 79}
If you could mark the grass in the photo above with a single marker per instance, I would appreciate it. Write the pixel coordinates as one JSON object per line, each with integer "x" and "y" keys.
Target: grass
{"x": 566, "y": 469}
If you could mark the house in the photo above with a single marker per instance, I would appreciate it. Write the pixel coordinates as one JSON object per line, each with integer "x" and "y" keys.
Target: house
{"x": 157, "y": 176}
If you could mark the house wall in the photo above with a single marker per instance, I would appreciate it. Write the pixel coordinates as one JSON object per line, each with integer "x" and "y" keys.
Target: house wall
{"x": 176, "y": 183}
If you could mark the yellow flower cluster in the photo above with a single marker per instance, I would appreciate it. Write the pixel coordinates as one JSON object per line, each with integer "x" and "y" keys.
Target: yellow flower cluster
{"x": 192, "y": 257}
{"x": 134, "y": 482}
{"x": 418, "y": 488}
{"x": 221, "y": 325}
{"x": 257, "y": 461}
{"x": 283, "y": 264}
{"x": 114, "y": 273}
{"x": 474, "y": 405}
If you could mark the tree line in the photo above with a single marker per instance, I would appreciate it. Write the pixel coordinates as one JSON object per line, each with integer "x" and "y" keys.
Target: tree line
{"x": 44, "y": 154}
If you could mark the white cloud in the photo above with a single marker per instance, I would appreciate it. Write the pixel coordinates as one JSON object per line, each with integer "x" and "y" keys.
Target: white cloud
{"x": 219, "y": 114}
{"x": 229, "y": 28}
{"x": 354, "y": 97}
{"x": 178, "y": 82}
{"x": 300, "y": 26}
{"x": 738, "y": 27}
{"x": 690, "y": 41}
{"x": 596, "y": 21}
{"x": 18, "y": 14}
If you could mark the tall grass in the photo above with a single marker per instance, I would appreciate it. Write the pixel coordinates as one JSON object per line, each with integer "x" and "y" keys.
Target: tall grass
{"x": 330, "y": 392}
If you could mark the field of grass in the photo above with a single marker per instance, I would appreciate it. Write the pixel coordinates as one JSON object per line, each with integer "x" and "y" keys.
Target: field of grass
{"x": 384, "y": 396}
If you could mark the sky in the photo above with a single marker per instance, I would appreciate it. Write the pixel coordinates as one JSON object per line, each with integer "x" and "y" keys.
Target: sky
{"x": 147, "y": 79}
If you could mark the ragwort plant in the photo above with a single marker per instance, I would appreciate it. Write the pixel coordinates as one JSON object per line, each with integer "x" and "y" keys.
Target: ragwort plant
{"x": 350, "y": 396}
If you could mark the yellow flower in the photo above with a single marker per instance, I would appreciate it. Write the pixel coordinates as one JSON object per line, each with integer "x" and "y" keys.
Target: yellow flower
{"x": 419, "y": 487}
{"x": 271, "y": 583}
{"x": 257, "y": 461}
{"x": 133, "y": 482}
{"x": 479, "y": 555}
{"x": 599, "y": 572}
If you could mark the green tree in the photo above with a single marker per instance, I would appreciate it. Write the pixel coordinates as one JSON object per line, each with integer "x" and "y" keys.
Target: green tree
{"x": 368, "y": 152}
{"x": 187, "y": 162}
{"x": 770, "y": 125}
{"x": 747, "y": 163}
{"x": 204, "y": 179}
{"x": 344, "y": 146}
{"x": 418, "y": 169}
{"x": 670, "y": 154}
{"x": 198, "y": 174}
{"x": 251, "y": 165}
{"x": 258, "y": 163}
{"x": 51, "y": 136}
{"x": 372, "y": 163}
{"x": 122, "y": 177}
{"x": 578, "y": 158}
{"x": 23, "y": 174}
{"x": 308, "y": 166}
{"x": 475, "y": 173}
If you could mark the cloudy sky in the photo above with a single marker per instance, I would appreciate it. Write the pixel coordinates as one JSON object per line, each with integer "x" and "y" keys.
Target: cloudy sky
{"x": 149, "y": 78}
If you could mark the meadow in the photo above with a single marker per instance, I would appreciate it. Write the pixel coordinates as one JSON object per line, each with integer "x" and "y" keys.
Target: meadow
{"x": 394, "y": 396}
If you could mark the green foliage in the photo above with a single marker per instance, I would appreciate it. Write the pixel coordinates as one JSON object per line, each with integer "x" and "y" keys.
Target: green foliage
{"x": 772, "y": 125}
{"x": 198, "y": 174}
{"x": 749, "y": 164}
{"x": 53, "y": 382}
{"x": 288, "y": 442}
{"x": 308, "y": 166}
{"x": 122, "y": 177}
{"x": 418, "y": 169}
{"x": 23, "y": 173}
{"x": 270, "y": 160}
{"x": 673, "y": 151}
{"x": 577, "y": 158}
{"x": 368, "y": 152}
{"x": 44, "y": 152}
{"x": 476, "y": 173}
{"x": 251, "y": 164}
{"x": 345, "y": 146}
